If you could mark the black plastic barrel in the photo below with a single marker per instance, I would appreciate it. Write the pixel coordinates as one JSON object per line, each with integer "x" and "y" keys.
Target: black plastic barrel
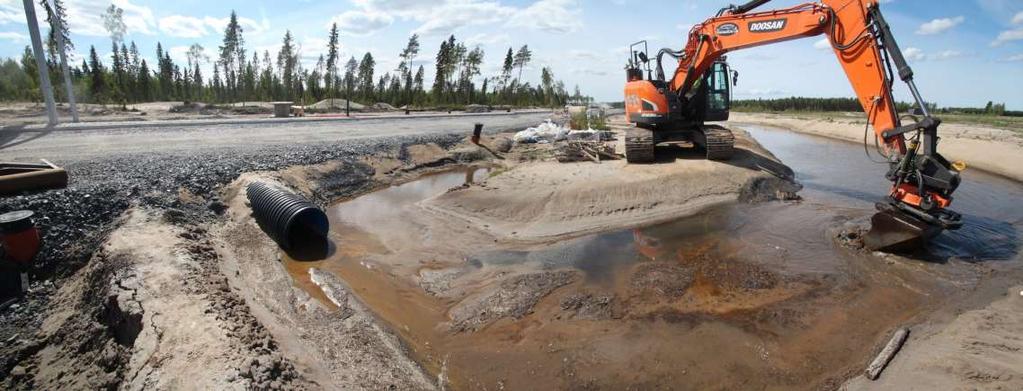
{"x": 285, "y": 216}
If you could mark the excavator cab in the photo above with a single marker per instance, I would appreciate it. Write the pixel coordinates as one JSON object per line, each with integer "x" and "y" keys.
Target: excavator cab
{"x": 715, "y": 93}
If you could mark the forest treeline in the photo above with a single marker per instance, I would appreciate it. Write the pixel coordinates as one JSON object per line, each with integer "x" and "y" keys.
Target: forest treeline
{"x": 853, "y": 105}
{"x": 239, "y": 75}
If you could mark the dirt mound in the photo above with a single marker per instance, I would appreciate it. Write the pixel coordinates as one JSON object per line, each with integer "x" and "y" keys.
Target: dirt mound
{"x": 544, "y": 201}
{"x": 381, "y": 106}
{"x": 474, "y": 108}
{"x": 335, "y": 104}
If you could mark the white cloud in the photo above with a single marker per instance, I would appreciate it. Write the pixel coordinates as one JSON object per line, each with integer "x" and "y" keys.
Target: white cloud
{"x": 1008, "y": 36}
{"x": 249, "y": 25}
{"x": 13, "y": 36}
{"x": 1018, "y": 57}
{"x": 945, "y": 55}
{"x": 584, "y": 55}
{"x": 487, "y": 39}
{"x": 451, "y": 16}
{"x": 183, "y": 26}
{"x": 913, "y": 54}
{"x": 1018, "y": 19}
{"x": 85, "y": 17}
{"x": 179, "y": 54}
{"x": 442, "y": 17}
{"x": 589, "y": 71}
{"x": 822, "y": 44}
{"x": 940, "y": 25}
{"x": 11, "y": 12}
{"x": 553, "y": 16}
{"x": 359, "y": 22}
{"x": 137, "y": 18}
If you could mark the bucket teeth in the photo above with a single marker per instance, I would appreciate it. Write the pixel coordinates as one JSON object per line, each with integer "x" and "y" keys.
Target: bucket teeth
{"x": 892, "y": 230}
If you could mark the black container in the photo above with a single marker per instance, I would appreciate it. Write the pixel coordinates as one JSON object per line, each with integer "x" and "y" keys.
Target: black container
{"x": 287, "y": 217}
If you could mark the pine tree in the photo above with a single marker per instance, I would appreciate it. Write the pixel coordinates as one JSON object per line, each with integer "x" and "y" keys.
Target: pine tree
{"x": 547, "y": 83}
{"x": 408, "y": 55}
{"x": 417, "y": 81}
{"x": 231, "y": 51}
{"x": 365, "y": 76}
{"x": 351, "y": 73}
{"x": 97, "y": 86}
{"x": 439, "y": 79}
{"x": 522, "y": 58}
{"x": 145, "y": 87}
{"x": 54, "y": 15}
{"x": 470, "y": 69}
{"x": 506, "y": 70}
{"x": 28, "y": 64}
{"x": 333, "y": 54}
{"x": 286, "y": 60}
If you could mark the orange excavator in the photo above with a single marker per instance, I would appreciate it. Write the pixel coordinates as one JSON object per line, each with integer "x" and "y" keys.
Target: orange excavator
{"x": 679, "y": 108}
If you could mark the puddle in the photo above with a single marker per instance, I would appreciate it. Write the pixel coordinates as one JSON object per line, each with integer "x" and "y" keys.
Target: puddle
{"x": 736, "y": 297}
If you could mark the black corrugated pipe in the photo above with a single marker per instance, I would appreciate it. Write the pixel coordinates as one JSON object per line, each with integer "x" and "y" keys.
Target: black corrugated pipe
{"x": 287, "y": 217}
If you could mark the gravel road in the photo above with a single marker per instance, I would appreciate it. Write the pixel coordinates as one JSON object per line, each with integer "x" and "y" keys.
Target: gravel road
{"x": 63, "y": 146}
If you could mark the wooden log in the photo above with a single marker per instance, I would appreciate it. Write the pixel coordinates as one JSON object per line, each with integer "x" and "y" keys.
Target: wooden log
{"x": 886, "y": 355}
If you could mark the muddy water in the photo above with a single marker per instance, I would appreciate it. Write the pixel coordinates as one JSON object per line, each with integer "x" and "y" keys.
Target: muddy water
{"x": 737, "y": 297}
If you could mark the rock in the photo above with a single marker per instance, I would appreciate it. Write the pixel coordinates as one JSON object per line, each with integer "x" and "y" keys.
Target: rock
{"x": 18, "y": 371}
{"x": 217, "y": 207}
{"x": 502, "y": 144}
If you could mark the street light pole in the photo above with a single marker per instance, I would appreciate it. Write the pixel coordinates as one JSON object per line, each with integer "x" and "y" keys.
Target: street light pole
{"x": 44, "y": 72}
{"x": 58, "y": 28}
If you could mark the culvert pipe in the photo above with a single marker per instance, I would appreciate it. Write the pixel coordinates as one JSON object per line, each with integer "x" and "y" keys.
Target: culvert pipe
{"x": 286, "y": 217}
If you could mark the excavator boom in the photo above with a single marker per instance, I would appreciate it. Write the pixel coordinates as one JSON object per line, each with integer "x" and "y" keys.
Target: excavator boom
{"x": 923, "y": 181}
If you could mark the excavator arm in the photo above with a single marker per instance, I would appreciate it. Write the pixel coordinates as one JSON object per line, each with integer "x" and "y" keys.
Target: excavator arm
{"x": 923, "y": 181}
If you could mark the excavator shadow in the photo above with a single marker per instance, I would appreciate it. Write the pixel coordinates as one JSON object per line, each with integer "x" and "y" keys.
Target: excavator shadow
{"x": 741, "y": 157}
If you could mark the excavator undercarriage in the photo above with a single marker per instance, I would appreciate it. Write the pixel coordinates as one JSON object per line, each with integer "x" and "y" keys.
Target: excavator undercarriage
{"x": 715, "y": 141}
{"x": 684, "y": 107}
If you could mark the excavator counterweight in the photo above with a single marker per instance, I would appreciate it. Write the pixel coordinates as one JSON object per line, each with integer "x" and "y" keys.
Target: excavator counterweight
{"x": 699, "y": 91}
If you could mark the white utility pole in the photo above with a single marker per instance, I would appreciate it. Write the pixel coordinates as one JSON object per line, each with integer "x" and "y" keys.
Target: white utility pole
{"x": 58, "y": 28}
{"x": 44, "y": 73}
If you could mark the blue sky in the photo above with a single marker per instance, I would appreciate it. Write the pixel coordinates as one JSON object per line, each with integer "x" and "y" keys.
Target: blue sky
{"x": 965, "y": 52}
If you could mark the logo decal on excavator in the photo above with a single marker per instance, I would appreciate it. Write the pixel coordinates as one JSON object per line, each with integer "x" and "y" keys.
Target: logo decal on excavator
{"x": 727, "y": 29}
{"x": 767, "y": 26}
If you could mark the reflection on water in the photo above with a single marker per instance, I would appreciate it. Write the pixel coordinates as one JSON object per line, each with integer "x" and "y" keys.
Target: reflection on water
{"x": 385, "y": 206}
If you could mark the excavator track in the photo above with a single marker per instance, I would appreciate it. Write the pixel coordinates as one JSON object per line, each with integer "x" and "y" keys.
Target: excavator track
{"x": 639, "y": 145}
{"x": 717, "y": 141}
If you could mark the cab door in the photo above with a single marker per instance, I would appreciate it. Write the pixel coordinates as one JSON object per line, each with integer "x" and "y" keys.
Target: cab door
{"x": 719, "y": 100}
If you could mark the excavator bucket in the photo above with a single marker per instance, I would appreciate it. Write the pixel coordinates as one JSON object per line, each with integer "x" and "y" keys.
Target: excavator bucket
{"x": 895, "y": 231}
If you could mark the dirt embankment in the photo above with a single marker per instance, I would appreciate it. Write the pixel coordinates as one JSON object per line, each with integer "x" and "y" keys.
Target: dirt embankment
{"x": 544, "y": 201}
{"x": 994, "y": 150}
{"x": 133, "y": 290}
